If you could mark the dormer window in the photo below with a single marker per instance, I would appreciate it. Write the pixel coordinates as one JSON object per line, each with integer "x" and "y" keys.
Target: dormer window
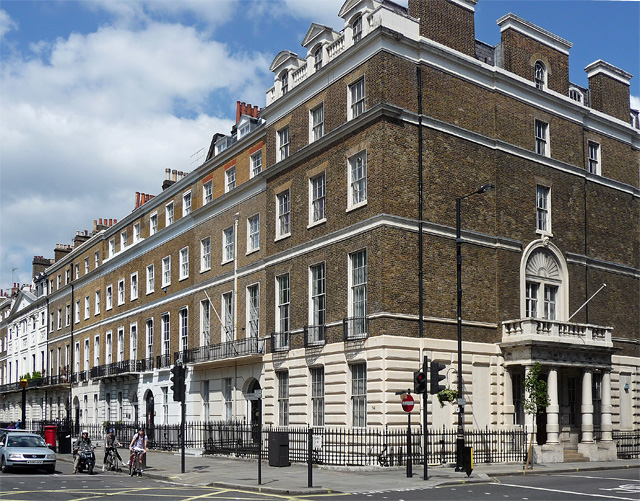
{"x": 576, "y": 95}
{"x": 244, "y": 130}
{"x": 284, "y": 81}
{"x": 317, "y": 58}
{"x": 540, "y": 75}
{"x": 357, "y": 29}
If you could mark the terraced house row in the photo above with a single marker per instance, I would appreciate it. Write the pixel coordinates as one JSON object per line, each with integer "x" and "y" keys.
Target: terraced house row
{"x": 307, "y": 266}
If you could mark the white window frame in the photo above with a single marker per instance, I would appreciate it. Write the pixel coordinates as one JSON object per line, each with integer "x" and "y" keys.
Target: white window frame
{"x": 86, "y": 265}
{"x": 205, "y": 322}
{"x": 183, "y": 257}
{"x": 148, "y": 336}
{"x": 183, "y": 326}
{"x": 543, "y": 210}
{"x": 358, "y": 289}
{"x": 358, "y": 395}
{"x": 207, "y": 192}
{"x": 67, "y": 315}
{"x": 284, "y": 82}
{"x": 253, "y": 233}
{"x": 153, "y": 224}
{"x": 283, "y": 214}
{"x": 230, "y": 179}
{"x": 282, "y": 378}
{"x": 356, "y": 29}
{"x": 169, "y": 213}
{"x": 76, "y": 313}
{"x": 357, "y": 187}
{"x": 227, "y": 324}
{"x": 283, "y": 304}
{"x": 77, "y": 270}
{"x": 186, "y": 203}
{"x": 316, "y": 123}
{"x": 316, "y": 374}
{"x": 253, "y": 310}
{"x": 87, "y": 307}
{"x": 356, "y": 95}
{"x": 317, "y": 302}
{"x": 112, "y": 247}
{"x": 318, "y": 57}
{"x": 134, "y": 283}
{"x": 317, "y": 199}
{"x": 123, "y": 240}
{"x": 97, "y": 303}
{"x": 205, "y": 254}
{"x": 121, "y": 292}
{"x": 108, "y": 346}
{"x": 541, "y": 133}
{"x": 166, "y": 271}
{"x": 227, "y": 398}
{"x": 150, "y": 281}
{"x": 165, "y": 330}
{"x": 256, "y": 163}
{"x": 120, "y": 345}
{"x": 136, "y": 233}
{"x": 87, "y": 344}
{"x": 284, "y": 143}
{"x": 108, "y": 300}
{"x": 540, "y": 75}
{"x": 96, "y": 350}
{"x": 96, "y": 258}
{"x": 593, "y": 158}
{"x": 133, "y": 341}
{"x": 227, "y": 245}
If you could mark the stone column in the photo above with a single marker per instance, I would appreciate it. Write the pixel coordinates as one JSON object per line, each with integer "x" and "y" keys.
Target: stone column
{"x": 510, "y": 418}
{"x": 553, "y": 409}
{"x": 529, "y": 419}
{"x": 605, "y": 421}
{"x": 587, "y": 407}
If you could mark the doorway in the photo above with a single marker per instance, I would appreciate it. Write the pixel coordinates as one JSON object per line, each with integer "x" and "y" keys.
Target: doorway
{"x": 150, "y": 415}
{"x": 256, "y": 410}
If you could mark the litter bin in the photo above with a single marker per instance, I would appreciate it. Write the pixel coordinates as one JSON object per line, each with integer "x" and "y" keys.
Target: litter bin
{"x": 50, "y": 435}
{"x": 279, "y": 448}
{"x": 64, "y": 441}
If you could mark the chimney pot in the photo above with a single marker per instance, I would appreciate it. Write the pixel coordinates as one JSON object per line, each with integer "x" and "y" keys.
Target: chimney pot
{"x": 167, "y": 172}
{"x": 175, "y": 174}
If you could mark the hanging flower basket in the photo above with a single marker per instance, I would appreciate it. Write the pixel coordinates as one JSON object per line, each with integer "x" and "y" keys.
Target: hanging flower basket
{"x": 447, "y": 395}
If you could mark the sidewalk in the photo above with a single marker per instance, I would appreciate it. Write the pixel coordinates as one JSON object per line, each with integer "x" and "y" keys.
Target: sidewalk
{"x": 230, "y": 472}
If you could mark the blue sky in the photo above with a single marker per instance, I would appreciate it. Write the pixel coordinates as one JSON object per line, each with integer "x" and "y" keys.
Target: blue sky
{"x": 98, "y": 97}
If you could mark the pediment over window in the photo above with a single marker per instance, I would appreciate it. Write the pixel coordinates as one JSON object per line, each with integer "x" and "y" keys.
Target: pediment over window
{"x": 542, "y": 264}
{"x": 285, "y": 58}
{"x": 318, "y": 33}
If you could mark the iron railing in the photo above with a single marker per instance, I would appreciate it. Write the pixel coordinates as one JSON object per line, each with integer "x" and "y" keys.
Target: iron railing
{"x": 280, "y": 341}
{"x": 355, "y": 328}
{"x": 228, "y": 349}
{"x": 116, "y": 368}
{"x": 627, "y": 444}
{"x": 163, "y": 361}
{"x": 314, "y": 335}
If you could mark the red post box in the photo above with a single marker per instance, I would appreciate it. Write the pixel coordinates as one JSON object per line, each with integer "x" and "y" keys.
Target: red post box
{"x": 50, "y": 435}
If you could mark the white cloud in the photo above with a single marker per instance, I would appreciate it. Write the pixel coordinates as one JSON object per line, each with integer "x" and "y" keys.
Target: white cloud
{"x": 635, "y": 102}
{"x": 91, "y": 119}
{"x": 6, "y": 23}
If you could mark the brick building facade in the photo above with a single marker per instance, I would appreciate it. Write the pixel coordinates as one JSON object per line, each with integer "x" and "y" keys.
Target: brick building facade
{"x": 289, "y": 262}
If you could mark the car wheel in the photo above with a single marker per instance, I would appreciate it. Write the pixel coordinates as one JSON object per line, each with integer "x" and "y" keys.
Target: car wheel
{"x": 3, "y": 465}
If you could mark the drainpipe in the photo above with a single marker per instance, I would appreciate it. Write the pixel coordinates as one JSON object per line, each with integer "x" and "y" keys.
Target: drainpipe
{"x": 72, "y": 349}
{"x": 236, "y": 218}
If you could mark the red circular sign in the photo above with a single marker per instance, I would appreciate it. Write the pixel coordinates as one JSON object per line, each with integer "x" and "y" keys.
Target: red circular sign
{"x": 407, "y": 403}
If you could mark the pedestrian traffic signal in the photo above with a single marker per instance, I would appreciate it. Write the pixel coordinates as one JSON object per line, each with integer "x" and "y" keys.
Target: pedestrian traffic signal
{"x": 419, "y": 382}
{"x": 435, "y": 377}
{"x": 177, "y": 382}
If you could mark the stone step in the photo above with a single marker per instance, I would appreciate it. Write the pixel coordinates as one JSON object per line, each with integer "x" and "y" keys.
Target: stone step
{"x": 573, "y": 456}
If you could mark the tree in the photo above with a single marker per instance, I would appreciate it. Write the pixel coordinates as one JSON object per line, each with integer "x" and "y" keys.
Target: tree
{"x": 536, "y": 397}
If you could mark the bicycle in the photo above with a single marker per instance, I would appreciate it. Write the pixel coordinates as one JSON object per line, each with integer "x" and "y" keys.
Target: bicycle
{"x": 112, "y": 463}
{"x": 134, "y": 462}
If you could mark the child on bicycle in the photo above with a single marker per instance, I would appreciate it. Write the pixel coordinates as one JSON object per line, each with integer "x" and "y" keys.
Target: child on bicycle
{"x": 138, "y": 443}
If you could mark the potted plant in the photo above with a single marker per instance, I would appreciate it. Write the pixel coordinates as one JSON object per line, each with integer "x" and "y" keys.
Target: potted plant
{"x": 447, "y": 395}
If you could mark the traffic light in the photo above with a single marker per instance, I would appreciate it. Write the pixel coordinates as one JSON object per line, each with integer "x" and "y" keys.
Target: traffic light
{"x": 419, "y": 382}
{"x": 435, "y": 377}
{"x": 177, "y": 382}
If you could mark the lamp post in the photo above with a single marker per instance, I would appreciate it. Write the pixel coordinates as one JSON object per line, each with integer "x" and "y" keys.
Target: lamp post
{"x": 461, "y": 401}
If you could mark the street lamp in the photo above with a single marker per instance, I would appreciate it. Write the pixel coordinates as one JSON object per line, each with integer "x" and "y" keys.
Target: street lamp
{"x": 461, "y": 401}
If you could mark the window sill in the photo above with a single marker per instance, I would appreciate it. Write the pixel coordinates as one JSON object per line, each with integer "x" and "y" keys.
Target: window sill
{"x": 133, "y": 298}
{"x": 183, "y": 278}
{"x": 544, "y": 233}
{"x": 282, "y": 237}
{"x": 317, "y": 223}
{"x": 226, "y": 261}
{"x": 204, "y": 270}
{"x": 252, "y": 251}
{"x": 150, "y": 292}
{"x": 357, "y": 206}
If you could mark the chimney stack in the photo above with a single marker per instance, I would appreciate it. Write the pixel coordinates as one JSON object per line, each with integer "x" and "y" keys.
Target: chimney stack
{"x": 609, "y": 89}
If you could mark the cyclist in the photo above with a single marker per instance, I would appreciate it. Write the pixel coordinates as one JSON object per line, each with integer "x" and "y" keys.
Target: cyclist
{"x": 82, "y": 442}
{"x": 138, "y": 443}
{"x": 110, "y": 443}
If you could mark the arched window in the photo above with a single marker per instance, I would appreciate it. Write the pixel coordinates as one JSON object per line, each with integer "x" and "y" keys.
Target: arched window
{"x": 284, "y": 82}
{"x": 544, "y": 282}
{"x": 356, "y": 26}
{"x": 540, "y": 75}
{"x": 576, "y": 95}
{"x": 317, "y": 58}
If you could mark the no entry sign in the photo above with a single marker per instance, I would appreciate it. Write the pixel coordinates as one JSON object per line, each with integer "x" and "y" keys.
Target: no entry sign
{"x": 407, "y": 403}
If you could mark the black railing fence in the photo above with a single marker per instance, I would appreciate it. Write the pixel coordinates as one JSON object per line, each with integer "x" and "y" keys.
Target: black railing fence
{"x": 627, "y": 444}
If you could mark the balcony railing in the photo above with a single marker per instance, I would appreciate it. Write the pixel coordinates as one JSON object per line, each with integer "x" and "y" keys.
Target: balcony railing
{"x": 355, "y": 328}
{"x": 536, "y": 329}
{"x": 117, "y": 368}
{"x": 280, "y": 341}
{"x": 314, "y": 335}
{"x": 228, "y": 349}
{"x": 9, "y": 387}
{"x": 163, "y": 361}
